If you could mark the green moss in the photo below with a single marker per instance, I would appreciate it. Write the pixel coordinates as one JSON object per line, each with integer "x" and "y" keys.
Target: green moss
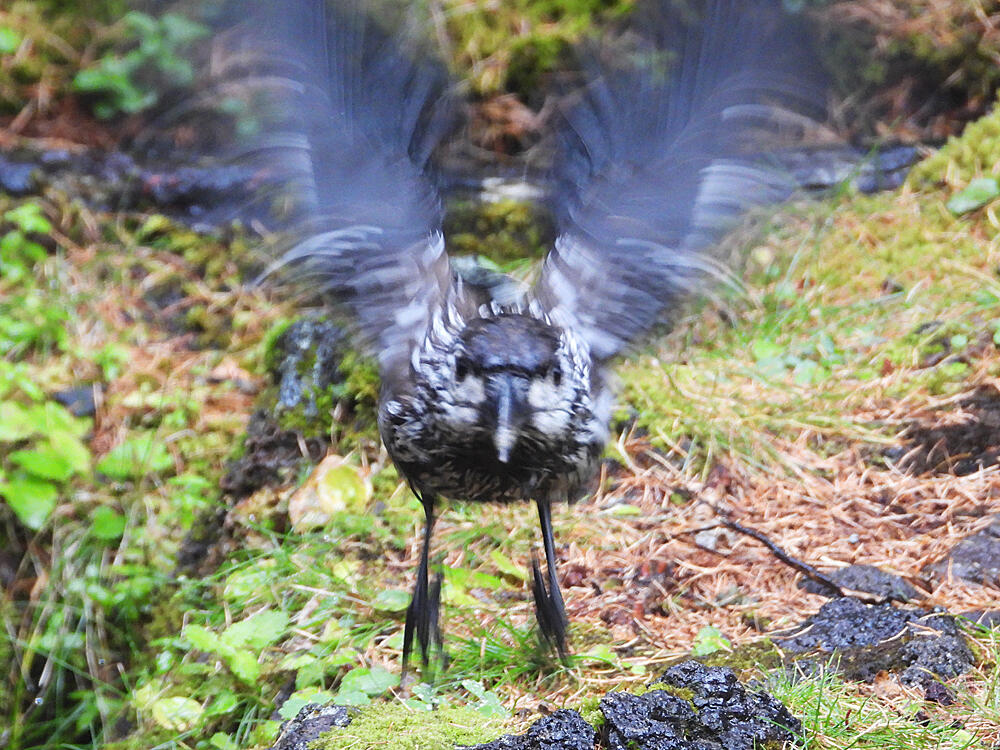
{"x": 590, "y": 710}
{"x": 758, "y": 655}
{"x": 361, "y": 383}
{"x": 394, "y": 725}
{"x": 503, "y": 231}
{"x": 481, "y": 36}
{"x": 976, "y": 152}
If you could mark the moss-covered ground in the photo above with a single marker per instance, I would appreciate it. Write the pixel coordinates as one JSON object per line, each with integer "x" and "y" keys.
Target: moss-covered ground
{"x": 783, "y": 403}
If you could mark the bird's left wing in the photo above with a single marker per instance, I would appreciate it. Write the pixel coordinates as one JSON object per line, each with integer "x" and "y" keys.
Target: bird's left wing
{"x": 343, "y": 117}
{"x": 661, "y": 154}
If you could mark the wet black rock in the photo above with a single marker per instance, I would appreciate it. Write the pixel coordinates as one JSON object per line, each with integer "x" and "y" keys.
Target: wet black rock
{"x": 699, "y": 708}
{"x": 309, "y": 723}
{"x": 16, "y": 178}
{"x": 976, "y": 558}
{"x": 866, "y": 578}
{"x": 870, "y": 638}
{"x": 565, "y": 729}
{"x": 933, "y": 658}
{"x": 79, "y": 401}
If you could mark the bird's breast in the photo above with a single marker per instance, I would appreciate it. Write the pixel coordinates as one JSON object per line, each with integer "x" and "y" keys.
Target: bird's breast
{"x": 463, "y": 465}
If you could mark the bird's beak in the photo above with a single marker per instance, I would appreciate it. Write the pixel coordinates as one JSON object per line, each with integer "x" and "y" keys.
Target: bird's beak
{"x": 510, "y": 394}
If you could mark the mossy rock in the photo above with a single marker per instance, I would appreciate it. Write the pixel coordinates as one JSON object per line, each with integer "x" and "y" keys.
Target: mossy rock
{"x": 975, "y": 153}
{"x": 411, "y": 729}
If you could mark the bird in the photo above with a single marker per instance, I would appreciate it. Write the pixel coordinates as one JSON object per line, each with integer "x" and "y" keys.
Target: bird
{"x": 508, "y": 398}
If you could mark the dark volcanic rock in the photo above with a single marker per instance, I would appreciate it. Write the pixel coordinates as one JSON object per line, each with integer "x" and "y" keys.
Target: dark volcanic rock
{"x": 309, "y": 723}
{"x": 976, "y": 558}
{"x": 865, "y": 578}
{"x": 563, "y": 730}
{"x": 700, "y": 708}
{"x": 870, "y": 638}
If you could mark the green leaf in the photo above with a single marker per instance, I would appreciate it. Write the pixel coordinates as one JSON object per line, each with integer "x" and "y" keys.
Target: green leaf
{"x": 202, "y": 638}
{"x": 224, "y": 703}
{"x": 244, "y": 666}
{"x": 32, "y": 500}
{"x": 391, "y": 600}
{"x": 177, "y": 713}
{"x": 136, "y": 457}
{"x": 474, "y": 687}
{"x": 370, "y": 682}
{"x": 977, "y": 194}
{"x": 28, "y": 217}
{"x": 257, "y": 631}
{"x": 463, "y": 580}
{"x": 107, "y": 524}
{"x": 602, "y": 653}
{"x": 709, "y": 640}
{"x": 43, "y": 462}
{"x": 15, "y": 422}
{"x": 352, "y": 698}
{"x": 342, "y": 488}
{"x": 10, "y": 40}
{"x": 506, "y": 566}
{"x": 249, "y": 584}
{"x": 222, "y": 741}
{"x": 51, "y": 417}
{"x": 71, "y": 448}
{"x": 302, "y": 698}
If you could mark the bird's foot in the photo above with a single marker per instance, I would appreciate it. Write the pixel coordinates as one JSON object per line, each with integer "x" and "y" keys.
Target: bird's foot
{"x": 549, "y": 609}
{"x": 422, "y": 621}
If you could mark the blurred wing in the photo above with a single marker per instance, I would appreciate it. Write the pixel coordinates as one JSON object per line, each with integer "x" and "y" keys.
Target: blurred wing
{"x": 344, "y": 120}
{"x": 657, "y": 163}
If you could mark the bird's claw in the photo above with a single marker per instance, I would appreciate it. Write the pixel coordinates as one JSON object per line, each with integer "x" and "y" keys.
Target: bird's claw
{"x": 549, "y": 609}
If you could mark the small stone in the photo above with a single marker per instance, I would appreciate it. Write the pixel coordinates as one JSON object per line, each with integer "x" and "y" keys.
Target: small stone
{"x": 79, "y": 400}
{"x": 309, "y": 723}
{"x": 866, "y": 578}
{"x": 976, "y": 558}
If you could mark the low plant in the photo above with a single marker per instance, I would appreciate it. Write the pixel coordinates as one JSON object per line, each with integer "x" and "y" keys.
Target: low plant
{"x": 129, "y": 82}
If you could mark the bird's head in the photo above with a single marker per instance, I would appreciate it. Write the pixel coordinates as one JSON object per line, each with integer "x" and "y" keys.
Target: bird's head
{"x": 515, "y": 378}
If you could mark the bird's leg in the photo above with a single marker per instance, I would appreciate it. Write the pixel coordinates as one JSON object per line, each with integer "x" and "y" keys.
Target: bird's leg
{"x": 422, "y": 614}
{"x": 548, "y": 600}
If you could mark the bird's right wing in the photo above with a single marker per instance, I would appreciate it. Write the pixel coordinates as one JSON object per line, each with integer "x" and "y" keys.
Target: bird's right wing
{"x": 343, "y": 116}
{"x": 658, "y": 159}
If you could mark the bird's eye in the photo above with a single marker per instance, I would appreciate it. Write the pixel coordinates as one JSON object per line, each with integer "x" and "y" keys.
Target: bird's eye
{"x": 557, "y": 376}
{"x": 461, "y": 369}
